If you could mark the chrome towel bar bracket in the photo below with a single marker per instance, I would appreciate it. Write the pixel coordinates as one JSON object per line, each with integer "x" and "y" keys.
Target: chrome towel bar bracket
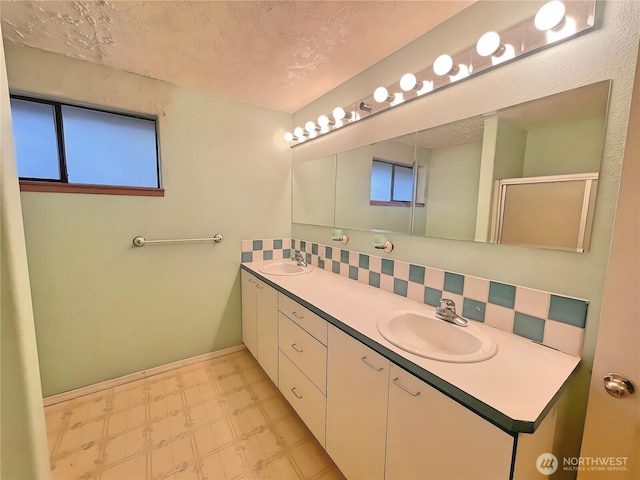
{"x": 141, "y": 241}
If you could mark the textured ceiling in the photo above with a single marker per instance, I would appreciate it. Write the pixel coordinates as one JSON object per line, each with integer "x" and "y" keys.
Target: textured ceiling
{"x": 280, "y": 54}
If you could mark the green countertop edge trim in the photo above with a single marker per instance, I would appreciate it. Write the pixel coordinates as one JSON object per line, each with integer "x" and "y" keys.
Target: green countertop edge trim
{"x": 509, "y": 425}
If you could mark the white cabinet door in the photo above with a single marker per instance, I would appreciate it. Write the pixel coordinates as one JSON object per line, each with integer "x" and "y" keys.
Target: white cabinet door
{"x": 430, "y": 435}
{"x": 249, "y": 312}
{"x": 267, "y": 313}
{"x": 357, "y": 388}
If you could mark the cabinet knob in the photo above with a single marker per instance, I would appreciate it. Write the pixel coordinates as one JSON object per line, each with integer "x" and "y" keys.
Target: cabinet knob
{"x": 618, "y": 386}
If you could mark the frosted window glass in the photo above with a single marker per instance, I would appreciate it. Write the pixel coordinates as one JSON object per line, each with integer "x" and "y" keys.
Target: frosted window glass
{"x": 107, "y": 149}
{"x": 381, "y": 181}
{"x": 36, "y": 144}
{"x": 402, "y": 184}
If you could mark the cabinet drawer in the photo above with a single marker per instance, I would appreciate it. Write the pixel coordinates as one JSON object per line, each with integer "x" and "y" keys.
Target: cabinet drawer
{"x": 308, "y": 354}
{"x": 304, "y": 397}
{"x": 304, "y": 317}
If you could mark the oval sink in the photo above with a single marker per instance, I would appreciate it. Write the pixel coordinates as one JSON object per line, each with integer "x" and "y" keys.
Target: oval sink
{"x": 284, "y": 267}
{"x": 420, "y": 333}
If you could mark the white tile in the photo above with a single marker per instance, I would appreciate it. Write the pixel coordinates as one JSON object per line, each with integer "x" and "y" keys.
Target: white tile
{"x": 386, "y": 283}
{"x": 499, "y": 317}
{"x": 566, "y": 338}
{"x": 267, "y": 244}
{"x": 401, "y": 270}
{"x": 375, "y": 263}
{"x": 532, "y": 302}
{"x": 363, "y": 276}
{"x": 354, "y": 258}
{"x": 415, "y": 292}
{"x": 247, "y": 245}
{"x": 434, "y": 278}
{"x": 286, "y": 243}
{"x": 344, "y": 269}
{"x": 277, "y": 255}
{"x": 476, "y": 288}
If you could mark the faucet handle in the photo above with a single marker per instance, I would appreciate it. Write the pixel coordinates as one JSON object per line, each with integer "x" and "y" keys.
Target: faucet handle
{"x": 447, "y": 304}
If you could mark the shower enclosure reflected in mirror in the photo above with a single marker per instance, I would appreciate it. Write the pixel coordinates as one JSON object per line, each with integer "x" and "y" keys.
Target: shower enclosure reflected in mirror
{"x": 524, "y": 175}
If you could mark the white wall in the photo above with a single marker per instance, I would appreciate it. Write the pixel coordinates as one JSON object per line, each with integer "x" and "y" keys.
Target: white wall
{"x": 104, "y": 308}
{"x": 607, "y": 52}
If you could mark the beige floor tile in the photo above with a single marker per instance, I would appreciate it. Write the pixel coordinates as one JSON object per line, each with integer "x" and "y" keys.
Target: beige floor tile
{"x": 310, "y": 458}
{"x": 220, "y": 419}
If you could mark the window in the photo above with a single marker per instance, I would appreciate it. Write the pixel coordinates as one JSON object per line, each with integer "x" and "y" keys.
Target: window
{"x": 391, "y": 184}
{"x": 67, "y": 148}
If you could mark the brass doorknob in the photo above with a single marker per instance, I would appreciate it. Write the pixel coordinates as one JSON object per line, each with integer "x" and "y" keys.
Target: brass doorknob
{"x": 618, "y": 386}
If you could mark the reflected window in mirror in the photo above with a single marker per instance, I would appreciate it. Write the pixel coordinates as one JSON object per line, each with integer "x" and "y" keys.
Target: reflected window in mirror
{"x": 391, "y": 184}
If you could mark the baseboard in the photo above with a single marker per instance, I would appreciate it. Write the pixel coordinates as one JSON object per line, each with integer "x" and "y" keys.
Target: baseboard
{"x": 115, "y": 382}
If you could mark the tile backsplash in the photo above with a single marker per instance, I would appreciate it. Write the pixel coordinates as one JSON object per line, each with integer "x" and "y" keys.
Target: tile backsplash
{"x": 553, "y": 320}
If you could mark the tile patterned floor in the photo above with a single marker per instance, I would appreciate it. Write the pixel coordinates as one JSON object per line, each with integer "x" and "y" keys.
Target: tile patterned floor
{"x": 218, "y": 419}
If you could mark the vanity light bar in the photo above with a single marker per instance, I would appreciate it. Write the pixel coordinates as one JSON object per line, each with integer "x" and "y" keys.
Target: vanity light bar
{"x": 555, "y": 21}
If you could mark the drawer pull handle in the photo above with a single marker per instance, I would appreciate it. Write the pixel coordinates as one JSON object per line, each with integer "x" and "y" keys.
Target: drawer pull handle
{"x": 259, "y": 286}
{"x": 293, "y": 345}
{"x": 364, "y": 359}
{"x": 251, "y": 280}
{"x": 299, "y": 397}
{"x": 299, "y": 317}
{"x": 397, "y": 382}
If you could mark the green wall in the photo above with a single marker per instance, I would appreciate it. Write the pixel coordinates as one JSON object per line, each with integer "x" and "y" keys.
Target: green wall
{"x": 104, "y": 308}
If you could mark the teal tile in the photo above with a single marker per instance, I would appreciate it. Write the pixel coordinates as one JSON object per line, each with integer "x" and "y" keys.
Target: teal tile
{"x": 314, "y": 248}
{"x": 502, "y": 294}
{"x": 568, "y": 310}
{"x": 473, "y": 309}
{"x": 320, "y": 263}
{"x": 353, "y": 272}
{"x": 267, "y": 255}
{"x": 374, "y": 279}
{"x": 453, "y": 283}
{"x": 328, "y": 252}
{"x": 247, "y": 257}
{"x": 432, "y": 296}
{"x": 416, "y": 273}
{"x": 335, "y": 266}
{"x": 286, "y": 253}
{"x": 293, "y": 243}
{"x": 277, "y": 244}
{"x": 344, "y": 256}
{"x": 400, "y": 287}
{"x": 364, "y": 261}
{"x": 307, "y": 258}
{"x": 387, "y": 266}
{"x": 303, "y": 245}
{"x": 528, "y": 327}
{"x": 257, "y": 245}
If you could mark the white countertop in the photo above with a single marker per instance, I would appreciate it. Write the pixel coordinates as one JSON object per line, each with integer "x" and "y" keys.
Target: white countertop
{"x": 520, "y": 382}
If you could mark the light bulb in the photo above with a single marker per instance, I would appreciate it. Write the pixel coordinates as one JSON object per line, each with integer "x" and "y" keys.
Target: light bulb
{"x": 427, "y": 86}
{"x": 310, "y": 126}
{"x": 461, "y": 71}
{"x": 550, "y": 15}
{"x": 298, "y": 132}
{"x": 443, "y": 65}
{"x": 489, "y": 44}
{"x": 288, "y": 137}
{"x": 381, "y": 95}
{"x": 565, "y": 29}
{"x": 324, "y": 121}
{"x": 339, "y": 113}
{"x": 408, "y": 82}
{"x": 508, "y": 53}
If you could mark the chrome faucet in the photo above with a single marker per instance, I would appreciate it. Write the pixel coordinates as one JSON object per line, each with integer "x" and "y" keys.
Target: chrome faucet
{"x": 298, "y": 258}
{"x": 447, "y": 312}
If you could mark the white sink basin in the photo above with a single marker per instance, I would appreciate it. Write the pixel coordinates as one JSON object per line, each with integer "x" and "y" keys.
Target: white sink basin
{"x": 284, "y": 267}
{"x": 421, "y": 333}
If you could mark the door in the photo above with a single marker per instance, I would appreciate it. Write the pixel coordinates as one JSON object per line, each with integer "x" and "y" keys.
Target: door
{"x": 612, "y": 426}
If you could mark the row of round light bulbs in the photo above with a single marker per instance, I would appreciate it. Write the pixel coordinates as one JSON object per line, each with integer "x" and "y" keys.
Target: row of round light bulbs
{"x": 550, "y": 17}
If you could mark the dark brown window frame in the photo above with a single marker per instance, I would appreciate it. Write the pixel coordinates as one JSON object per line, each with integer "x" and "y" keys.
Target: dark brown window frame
{"x": 62, "y": 185}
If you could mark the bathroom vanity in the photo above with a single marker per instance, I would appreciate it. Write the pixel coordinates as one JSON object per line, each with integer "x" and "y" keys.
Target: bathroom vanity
{"x": 382, "y": 412}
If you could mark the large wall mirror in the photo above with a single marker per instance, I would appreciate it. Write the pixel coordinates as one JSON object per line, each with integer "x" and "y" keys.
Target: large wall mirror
{"x": 523, "y": 175}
